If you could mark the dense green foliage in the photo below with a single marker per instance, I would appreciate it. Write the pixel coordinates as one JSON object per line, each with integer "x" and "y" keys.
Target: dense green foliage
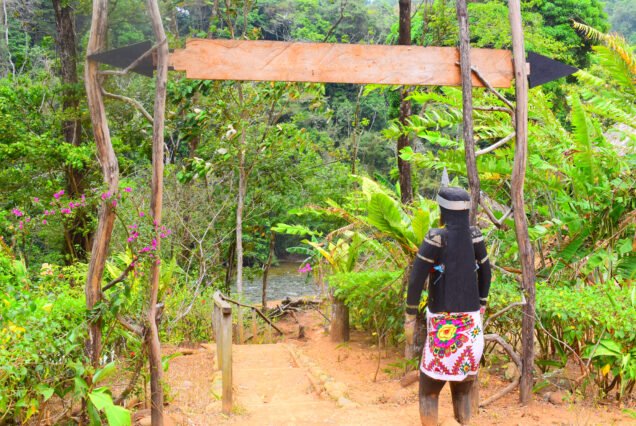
{"x": 301, "y": 142}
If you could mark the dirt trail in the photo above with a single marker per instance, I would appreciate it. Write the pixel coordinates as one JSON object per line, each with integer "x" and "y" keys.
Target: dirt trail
{"x": 273, "y": 386}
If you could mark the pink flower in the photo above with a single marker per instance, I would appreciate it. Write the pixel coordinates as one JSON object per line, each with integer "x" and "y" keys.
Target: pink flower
{"x": 305, "y": 268}
{"x": 52, "y": 212}
{"x": 106, "y": 195}
{"x": 128, "y": 189}
{"x": 65, "y": 211}
{"x": 44, "y": 222}
{"x": 142, "y": 214}
{"x": 58, "y": 194}
{"x": 36, "y": 200}
{"x": 131, "y": 239}
{"x": 114, "y": 203}
{"x": 17, "y": 212}
{"x": 21, "y": 225}
{"x": 158, "y": 262}
{"x": 133, "y": 226}
{"x": 27, "y": 220}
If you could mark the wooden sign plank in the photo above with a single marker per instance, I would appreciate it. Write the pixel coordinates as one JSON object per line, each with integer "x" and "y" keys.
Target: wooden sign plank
{"x": 336, "y": 63}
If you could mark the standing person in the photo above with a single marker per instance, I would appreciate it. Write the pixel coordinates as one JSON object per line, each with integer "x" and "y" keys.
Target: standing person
{"x": 457, "y": 295}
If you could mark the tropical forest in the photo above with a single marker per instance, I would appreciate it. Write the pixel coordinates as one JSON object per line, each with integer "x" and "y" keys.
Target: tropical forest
{"x": 214, "y": 212}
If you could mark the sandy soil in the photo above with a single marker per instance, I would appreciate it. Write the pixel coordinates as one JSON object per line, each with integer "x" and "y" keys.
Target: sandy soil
{"x": 381, "y": 402}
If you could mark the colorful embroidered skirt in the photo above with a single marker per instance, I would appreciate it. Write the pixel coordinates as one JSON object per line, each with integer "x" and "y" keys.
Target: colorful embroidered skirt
{"x": 454, "y": 345}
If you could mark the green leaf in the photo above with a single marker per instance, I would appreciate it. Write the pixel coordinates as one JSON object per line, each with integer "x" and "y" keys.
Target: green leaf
{"x": 117, "y": 416}
{"x": 104, "y": 372}
{"x": 80, "y": 387}
{"x": 45, "y": 391}
{"x": 101, "y": 398}
{"x": 93, "y": 415}
{"x": 165, "y": 361}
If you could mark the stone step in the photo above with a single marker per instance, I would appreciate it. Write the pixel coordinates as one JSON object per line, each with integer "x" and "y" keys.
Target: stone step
{"x": 261, "y": 356}
{"x": 271, "y": 385}
{"x": 292, "y": 414}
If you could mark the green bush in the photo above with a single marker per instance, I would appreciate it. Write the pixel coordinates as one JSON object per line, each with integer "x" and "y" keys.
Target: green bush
{"x": 40, "y": 339}
{"x": 375, "y": 301}
{"x": 595, "y": 322}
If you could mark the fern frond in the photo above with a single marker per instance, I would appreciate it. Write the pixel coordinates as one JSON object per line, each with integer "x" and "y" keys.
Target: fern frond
{"x": 614, "y": 41}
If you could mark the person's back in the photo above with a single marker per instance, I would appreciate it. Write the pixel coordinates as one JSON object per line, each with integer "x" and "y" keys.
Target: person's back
{"x": 457, "y": 260}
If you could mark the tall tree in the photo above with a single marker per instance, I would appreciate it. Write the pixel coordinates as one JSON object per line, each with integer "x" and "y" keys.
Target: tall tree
{"x": 404, "y": 167}
{"x": 110, "y": 170}
{"x": 76, "y": 236}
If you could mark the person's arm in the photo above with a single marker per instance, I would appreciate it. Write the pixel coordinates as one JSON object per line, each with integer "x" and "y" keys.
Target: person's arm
{"x": 484, "y": 273}
{"x": 424, "y": 261}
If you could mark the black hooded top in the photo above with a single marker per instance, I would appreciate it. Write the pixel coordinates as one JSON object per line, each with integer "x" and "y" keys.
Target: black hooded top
{"x": 457, "y": 259}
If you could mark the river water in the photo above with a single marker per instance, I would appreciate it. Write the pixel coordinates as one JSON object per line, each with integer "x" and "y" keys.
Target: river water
{"x": 284, "y": 281}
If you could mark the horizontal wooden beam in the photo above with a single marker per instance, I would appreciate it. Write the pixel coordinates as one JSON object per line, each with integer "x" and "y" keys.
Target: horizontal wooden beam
{"x": 336, "y": 63}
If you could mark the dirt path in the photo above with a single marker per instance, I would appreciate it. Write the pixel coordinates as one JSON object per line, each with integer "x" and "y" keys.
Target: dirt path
{"x": 279, "y": 385}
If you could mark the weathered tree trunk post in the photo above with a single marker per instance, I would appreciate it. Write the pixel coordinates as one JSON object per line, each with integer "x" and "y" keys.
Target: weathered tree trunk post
{"x": 156, "y": 204}
{"x": 268, "y": 265}
{"x": 467, "y": 108}
{"x": 110, "y": 169}
{"x": 339, "y": 331}
{"x": 521, "y": 224}
{"x": 404, "y": 167}
{"x": 469, "y": 140}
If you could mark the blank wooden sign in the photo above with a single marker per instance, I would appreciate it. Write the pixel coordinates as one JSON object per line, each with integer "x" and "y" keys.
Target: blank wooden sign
{"x": 336, "y": 63}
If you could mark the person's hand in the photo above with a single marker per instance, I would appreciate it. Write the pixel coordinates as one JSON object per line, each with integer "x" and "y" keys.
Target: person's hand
{"x": 482, "y": 311}
{"x": 409, "y": 328}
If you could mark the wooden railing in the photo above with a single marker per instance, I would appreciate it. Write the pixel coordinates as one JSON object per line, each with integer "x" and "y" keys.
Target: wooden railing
{"x": 222, "y": 323}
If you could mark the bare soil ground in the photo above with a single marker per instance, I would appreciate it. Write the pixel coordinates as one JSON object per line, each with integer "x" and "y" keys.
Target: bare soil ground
{"x": 273, "y": 389}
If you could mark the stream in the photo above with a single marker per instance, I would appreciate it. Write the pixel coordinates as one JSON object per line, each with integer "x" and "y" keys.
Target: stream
{"x": 284, "y": 281}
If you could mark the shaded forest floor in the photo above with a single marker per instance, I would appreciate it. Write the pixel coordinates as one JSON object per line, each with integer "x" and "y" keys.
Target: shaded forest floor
{"x": 280, "y": 384}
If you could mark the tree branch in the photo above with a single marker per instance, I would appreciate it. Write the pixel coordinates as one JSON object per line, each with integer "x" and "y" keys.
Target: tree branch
{"x": 258, "y": 311}
{"x": 121, "y": 277}
{"x": 495, "y": 145}
{"x": 485, "y": 82}
{"x": 343, "y": 5}
{"x": 130, "y": 101}
{"x": 504, "y": 310}
{"x": 499, "y": 223}
{"x": 514, "y": 357}
{"x": 131, "y": 384}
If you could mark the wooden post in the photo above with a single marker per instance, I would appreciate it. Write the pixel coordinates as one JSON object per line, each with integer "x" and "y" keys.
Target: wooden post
{"x": 469, "y": 140}
{"x": 223, "y": 331}
{"x": 110, "y": 169}
{"x": 226, "y": 356}
{"x": 404, "y": 167}
{"x": 521, "y": 225}
{"x": 217, "y": 335}
{"x": 269, "y": 334}
{"x": 239, "y": 319}
{"x": 339, "y": 331}
{"x": 254, "y": 326}
{"x": 156, "y": 205}
{"x": 467, "y": 108}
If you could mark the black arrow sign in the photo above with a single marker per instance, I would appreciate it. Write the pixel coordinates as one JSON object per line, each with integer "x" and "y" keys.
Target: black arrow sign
{"x": 544, "y": 69}
{"x": 122, "y": 57}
